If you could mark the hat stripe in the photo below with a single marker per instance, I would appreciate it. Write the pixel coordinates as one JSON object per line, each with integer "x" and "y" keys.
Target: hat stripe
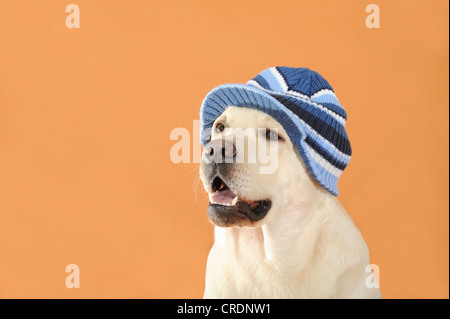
{"x": 279, "y": 78}
{"x": 272, "y": 80}
{"x": 259, "y": 83}
{"x": 323, "y": 92}
{"x": 324, "y": 163}
{"x": 325, "y": 154}
{"x": 327, "y": 98}
{"x": 324, "y": 126}
{"x": 321, "y": 107}
{"x": 321, "y": 141}
{"x": 336, "y": 109}
{"x": 289, "y": 90}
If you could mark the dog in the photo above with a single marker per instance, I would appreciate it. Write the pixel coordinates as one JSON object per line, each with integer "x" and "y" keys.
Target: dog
{"x": 277, "y": 235}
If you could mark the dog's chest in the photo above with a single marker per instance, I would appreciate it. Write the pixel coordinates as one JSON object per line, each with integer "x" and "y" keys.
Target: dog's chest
{"x": 238, "y": 274}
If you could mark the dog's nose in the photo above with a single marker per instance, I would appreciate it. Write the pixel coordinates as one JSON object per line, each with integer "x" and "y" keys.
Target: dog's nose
{"x": 220, "y": 151}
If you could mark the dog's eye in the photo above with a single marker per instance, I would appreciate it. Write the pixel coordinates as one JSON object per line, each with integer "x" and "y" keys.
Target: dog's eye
{"x": 220, "y": 127}
{"x": 272, "y": 135}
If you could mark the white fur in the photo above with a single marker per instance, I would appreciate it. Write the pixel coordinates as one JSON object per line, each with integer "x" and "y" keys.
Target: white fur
{"x": 306, "y": 247}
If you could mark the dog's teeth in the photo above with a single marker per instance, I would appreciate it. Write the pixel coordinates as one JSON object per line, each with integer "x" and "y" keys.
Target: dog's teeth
{"x": 234, "y": 201}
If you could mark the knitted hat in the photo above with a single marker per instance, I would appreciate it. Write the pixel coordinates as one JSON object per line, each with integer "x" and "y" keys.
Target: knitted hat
{"x": 304, "y": 103}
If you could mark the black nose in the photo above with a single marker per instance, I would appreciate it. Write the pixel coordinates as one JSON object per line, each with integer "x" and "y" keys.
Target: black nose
{"x": 220, "y": 151}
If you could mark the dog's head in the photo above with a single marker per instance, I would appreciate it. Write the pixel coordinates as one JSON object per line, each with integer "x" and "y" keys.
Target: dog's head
{"x": 250, "y": 168}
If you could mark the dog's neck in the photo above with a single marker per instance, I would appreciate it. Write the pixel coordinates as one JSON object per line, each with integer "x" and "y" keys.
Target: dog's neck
{"x": 287, "y": 240}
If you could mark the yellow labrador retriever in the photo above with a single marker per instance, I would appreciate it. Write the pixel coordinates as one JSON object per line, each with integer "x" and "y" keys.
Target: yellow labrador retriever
{"x": 280, "y": 234}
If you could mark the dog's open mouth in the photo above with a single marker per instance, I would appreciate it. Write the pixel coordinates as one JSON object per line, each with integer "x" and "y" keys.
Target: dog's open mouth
{"x": 226, "y": 207}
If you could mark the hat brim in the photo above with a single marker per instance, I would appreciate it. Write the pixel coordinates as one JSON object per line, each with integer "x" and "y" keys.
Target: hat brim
{"x": 241, "y": 95}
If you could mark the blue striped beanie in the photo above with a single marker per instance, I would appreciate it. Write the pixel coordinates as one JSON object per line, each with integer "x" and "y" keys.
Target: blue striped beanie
{"x": 304, "y": 103}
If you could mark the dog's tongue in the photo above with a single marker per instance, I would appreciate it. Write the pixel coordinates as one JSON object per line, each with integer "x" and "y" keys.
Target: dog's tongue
{"x": 223, "y": 197}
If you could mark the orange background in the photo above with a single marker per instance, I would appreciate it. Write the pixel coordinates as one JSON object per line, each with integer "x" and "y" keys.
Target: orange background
{"x": 86, "y": 115}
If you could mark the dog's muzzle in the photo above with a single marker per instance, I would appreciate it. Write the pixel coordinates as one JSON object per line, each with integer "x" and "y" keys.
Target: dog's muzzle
{"x": 227, "y": 208}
